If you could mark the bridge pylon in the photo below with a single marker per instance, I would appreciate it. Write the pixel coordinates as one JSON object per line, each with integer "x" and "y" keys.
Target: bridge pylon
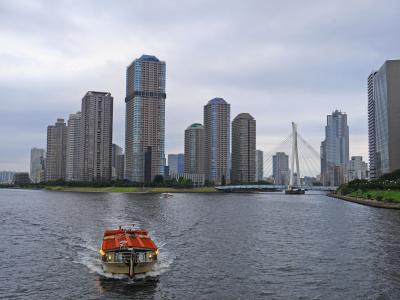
{"x": 294, "y": 158}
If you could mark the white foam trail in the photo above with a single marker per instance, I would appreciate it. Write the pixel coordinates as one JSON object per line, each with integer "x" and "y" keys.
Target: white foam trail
{"x": 91, "y": 260}
{"x": 94, "y": 266}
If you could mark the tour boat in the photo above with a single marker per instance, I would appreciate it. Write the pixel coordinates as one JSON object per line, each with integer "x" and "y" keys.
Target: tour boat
{"x": 128, "y": 251}
{"x": 293, "y": 191}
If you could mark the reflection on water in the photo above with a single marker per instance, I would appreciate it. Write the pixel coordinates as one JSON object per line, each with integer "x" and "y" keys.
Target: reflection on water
{"x": 218, "y": 246}
{"x": 126, "y": 286}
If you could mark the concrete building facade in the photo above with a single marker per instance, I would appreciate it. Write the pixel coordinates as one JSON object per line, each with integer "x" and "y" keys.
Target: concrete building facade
{"x": 37, "y": 165}
{"x": 356, "y": 168}
{"x": 145, "y": 119}
{"x": 115, "y": 164}
{"x": 259, "y": 165}
{"x": 56, "y": 152}
{"x": 197, "y": 179}
{"x": 6, "y": 177}
{"x": 120, "y": 167}
{"x": 243, "y": 149}
{"x": 384, "y": 119}
{"x": 21, "y": 178}
{"x": 73, "y": 147}
{"x": 217, "y": 140}
{"x": 280, "y": 168}
{"x": 371, "y": 126}
{"x": 96, "y": 136}
{"x": 195, "y": 149}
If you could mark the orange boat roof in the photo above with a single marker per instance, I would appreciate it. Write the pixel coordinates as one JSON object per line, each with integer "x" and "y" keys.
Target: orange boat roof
{"x": 120, "y": 239}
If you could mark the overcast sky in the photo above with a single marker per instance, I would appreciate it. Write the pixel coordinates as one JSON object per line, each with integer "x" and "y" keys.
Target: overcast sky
{"x": 280, "y": 61}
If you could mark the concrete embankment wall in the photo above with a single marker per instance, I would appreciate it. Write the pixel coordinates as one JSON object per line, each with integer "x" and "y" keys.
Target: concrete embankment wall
{"x": 372, "y": 203}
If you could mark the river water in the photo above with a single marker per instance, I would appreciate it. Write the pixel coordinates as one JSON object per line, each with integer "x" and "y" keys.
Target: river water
{"x": 212, "y": 246}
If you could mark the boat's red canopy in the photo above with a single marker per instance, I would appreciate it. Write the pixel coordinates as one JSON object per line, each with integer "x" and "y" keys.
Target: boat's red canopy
{"x": 121, "y": 239}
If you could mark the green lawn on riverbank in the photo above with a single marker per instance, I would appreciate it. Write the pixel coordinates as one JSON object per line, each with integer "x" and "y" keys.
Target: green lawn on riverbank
{"x": 204, "y": 189}
{"x": 94, "y": 189}
{"x": 130, "y": 189}
{"x": 387, "y": 196}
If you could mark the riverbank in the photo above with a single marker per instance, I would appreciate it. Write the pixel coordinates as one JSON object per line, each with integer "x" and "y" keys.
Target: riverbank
{"x": 131, "y": 189}
{"x": 385, "y": 195}
{"x": 368, "y": 202}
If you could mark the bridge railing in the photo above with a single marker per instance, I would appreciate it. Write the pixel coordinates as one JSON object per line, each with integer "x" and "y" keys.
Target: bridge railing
{"x": 273, "y": 187}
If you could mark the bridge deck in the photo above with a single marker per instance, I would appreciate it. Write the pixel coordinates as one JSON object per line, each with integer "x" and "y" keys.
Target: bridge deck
{"x": 272, "y": 187}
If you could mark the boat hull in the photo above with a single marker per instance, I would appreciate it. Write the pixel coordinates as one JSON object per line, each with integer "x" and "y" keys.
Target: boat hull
{"x": 295, "y": 192}
{"x": 123, "y": 268}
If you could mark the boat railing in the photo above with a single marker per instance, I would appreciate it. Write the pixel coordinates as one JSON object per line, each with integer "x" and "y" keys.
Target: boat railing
{"x": 126, "y": 227}
{"x": 125, "y": 257}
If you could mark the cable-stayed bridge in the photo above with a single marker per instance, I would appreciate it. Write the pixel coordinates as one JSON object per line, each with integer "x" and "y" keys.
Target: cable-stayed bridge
{"x": 297, "y": 166}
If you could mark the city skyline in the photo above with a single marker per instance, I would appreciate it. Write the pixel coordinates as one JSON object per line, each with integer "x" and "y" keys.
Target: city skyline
{"x": 56, "y": 91}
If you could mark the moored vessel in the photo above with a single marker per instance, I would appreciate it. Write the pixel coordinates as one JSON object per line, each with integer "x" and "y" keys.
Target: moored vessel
{"x": 292, "y": 191}
{"x": 128, "y": 251}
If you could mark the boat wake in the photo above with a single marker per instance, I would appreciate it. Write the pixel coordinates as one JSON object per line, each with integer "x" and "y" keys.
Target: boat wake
{"x": 88, "y": 256}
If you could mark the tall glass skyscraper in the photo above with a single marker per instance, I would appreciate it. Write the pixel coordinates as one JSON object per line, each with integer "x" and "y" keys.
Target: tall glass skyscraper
{"x": 217, "y": 114}
{"x": 145, "y": 119}
{"x": 176, "y": 163}
{"x": 384, "y": 118}
{"x": 335, "y": 149}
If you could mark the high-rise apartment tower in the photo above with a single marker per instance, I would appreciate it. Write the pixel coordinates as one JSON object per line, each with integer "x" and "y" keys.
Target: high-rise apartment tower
{"x": 194, "y": 149}
{"x": 243, "y": 148}
{"x": 259, "y": 165}
{"x": 96, "y": 136}
{"x": 37, "y": 165}
{"x": 56, "y": 151}
{"x": 73, "y": 147}
{"x": 384, "y": 119}
{"x": 145, "y": 119}
{"x": 280, "y": 168}
{"x": 217, "y": 140}
{"x": 176, "y": 163}
{"x": 115, "y": 162}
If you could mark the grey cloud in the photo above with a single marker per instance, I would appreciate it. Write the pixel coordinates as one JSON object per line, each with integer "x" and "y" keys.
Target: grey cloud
{"x": 280, "y": 61}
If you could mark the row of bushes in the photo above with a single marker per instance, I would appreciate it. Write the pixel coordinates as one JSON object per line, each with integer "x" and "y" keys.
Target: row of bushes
{"x": 379, "y": 196}
{"x": 389, "y": 181}
{"x": 157, "y": 182}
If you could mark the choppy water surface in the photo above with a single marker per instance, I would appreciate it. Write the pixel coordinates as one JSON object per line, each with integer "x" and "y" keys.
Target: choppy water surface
{"x": 213, "y": 246}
